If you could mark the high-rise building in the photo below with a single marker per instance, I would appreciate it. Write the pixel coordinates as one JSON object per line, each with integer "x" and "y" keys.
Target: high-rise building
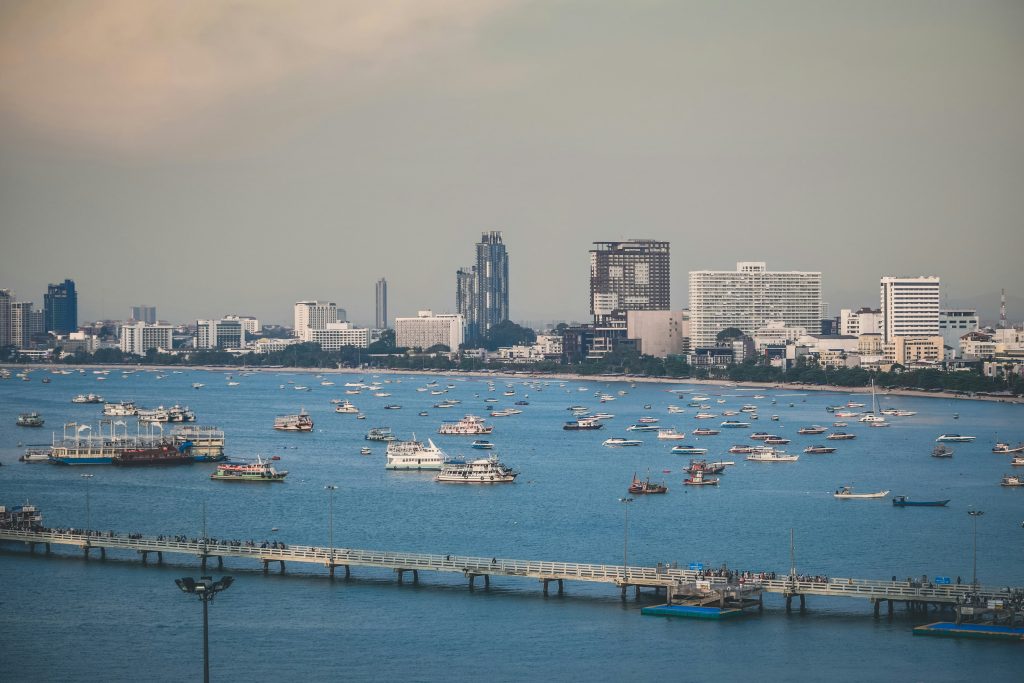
{"x": 955, "y": 323}
{"x": 481, "y": 292}
{"x": 143, "y": 314}
{"x": 314, "y": 314}
{"x": 381, "y": 319}
{"x": 220, "y": 334}
{"x": 60, "y": 306}
{"x": 250, "y": 323}
{"x": 21, "y": 322}
{"x": 335, "y": 336}
{"x": 749, "y": 298}
{"x": 6, "y": 327}
{"x": 139, "y": 337}
{"x": 862, "y": 321}
{"x": 427, "y": 330}
{"x": 910, "y": 307}
{"x": 629, "y": 276}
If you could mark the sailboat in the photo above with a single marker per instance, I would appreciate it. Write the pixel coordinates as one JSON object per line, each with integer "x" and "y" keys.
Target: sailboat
{"x": 873, "y": 416}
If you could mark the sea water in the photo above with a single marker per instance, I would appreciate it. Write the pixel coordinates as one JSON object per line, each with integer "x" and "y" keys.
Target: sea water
{"x": 64, "y": 618}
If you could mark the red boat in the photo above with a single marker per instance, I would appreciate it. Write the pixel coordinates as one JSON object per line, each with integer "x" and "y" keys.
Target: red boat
{"x": 165, "y": 454}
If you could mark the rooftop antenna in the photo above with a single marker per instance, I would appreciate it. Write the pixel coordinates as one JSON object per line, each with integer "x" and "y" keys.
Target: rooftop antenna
{"x": 1002, "y": 309}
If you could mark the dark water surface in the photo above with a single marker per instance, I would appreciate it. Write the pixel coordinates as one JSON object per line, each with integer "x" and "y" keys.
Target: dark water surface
{"x": 66, "y": 619}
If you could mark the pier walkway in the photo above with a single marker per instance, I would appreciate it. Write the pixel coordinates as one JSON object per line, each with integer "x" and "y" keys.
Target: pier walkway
{"x": 672, "y": 580}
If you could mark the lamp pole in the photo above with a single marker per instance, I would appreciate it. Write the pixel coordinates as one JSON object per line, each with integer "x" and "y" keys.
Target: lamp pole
{"x": 974, "y": 517}
{"x": 88, "y": 507}
{"x": 331, "y": 488}
{"x": 206, "y": 590}
{"x": 625, "y": 534}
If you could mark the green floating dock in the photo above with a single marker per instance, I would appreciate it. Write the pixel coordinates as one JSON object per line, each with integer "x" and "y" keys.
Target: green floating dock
{"x": 947, "y": 629}
{"x": 690, "y": 612}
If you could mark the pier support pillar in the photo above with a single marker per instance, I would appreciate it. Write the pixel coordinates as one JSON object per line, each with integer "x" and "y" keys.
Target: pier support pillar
{"x": 877, "y": 604}
{"x": 145, "y": 556}
{"x": 202, "y": 562}
{"x": 624, "y": 587}
{"x": 803, "y": 605}
{"x": 85, "y": 550}
{"x": 636, "y": 592}
{"x": 789, "y": 603}
{"x": 560, "y": 588}
{"x": 472, "y": 578}
{"x": 159, "y": 557}
{"x": 220, "y": 562}
{"x": 416, "y": 576}
{"x": 487, "y": 582}
{"x": 266, "y": 565}
{"x": 330, "y": 570}
{"x": 32, "y": 548}
{"x": 282, "y": 567}
{"x": 760, "y": 602}
{"x": 401, "y": 576}
{"x": 47, "y": 548}
{"x": 347, "y": 574}
{"x": 890, "y": 609}
{"x": 103, "y": 553}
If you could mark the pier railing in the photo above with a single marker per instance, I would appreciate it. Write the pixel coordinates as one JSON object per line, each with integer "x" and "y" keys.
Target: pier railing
{"x": 661, "y": 576}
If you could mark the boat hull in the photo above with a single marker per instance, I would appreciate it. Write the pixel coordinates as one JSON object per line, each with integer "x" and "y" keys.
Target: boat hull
{"x": 920, "y": 503}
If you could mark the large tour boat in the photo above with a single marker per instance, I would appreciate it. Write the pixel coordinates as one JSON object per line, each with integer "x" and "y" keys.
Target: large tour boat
{"x": 120, "y": 409}
{"x": 470, "y": 425}
{"x": 413, "y": 455}
{"x": 482, "y": 471}
{"x": 164, "y": 454}
{"x": 294, "y": 423}
{"x": 261, "y": 470}
{"x": 206, "y": 443}
{"x": 582, "y": 423}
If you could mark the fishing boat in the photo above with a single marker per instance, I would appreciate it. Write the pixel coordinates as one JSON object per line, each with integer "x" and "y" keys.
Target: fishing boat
{"x": 1011, "y": 480}
{"x": 1017, "y": 462}
{"x": 616, "y": 442}
{"x": 645, "y": 486}
{"x": 942, "y": 451}
{"x": 773, "y": 456}
{"x": 582, "y": 424}
{"x": 955, "y": 438}
{"x": 818, "y": 450}
{"x": 1004, "y": 448}
{"x": 670, "y": 435}
{"x": 482, "y": 445}
{"x": 813, "y": 429}
{"x": 30, "y": 420}
{"x": 846, "y": 493}
{"x": 697, "y": 478}
{"x": 841, "y": 436}
{"x": 379, "y": 434}
{"x": 735, "y": 424}
{"x": 260, "y": 470}
{"x": 164, "y": 454}
{"x": 468, "y": 426}
{"x": 705, "y": 431}
{"x": 688, "y": 450}
{"x": 483, "y": 471}
{"x": 294, "y": 423}
{"x": 904, "y": 502}
{"x": 705, "y": 467}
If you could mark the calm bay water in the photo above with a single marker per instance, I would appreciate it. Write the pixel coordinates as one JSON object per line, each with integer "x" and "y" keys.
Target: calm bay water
{"x": 63, "y": 618}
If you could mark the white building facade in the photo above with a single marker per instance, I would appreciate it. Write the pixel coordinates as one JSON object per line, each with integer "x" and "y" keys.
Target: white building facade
{"x": 138, "y": 338}
{"x": 862, "y": 321}
{"x": 335, "y": 336}
{"x": 910, "y": 307}
{"x": 314, "y": 314}
{"x": 955, "y": 323}
{"x": 427, "y": 330}
{"x": 748, "y": 298}
{"x": 220, "y": 334}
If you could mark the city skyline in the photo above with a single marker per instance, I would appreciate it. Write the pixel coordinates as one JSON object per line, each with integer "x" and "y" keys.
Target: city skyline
{"x": 820, "y": 140}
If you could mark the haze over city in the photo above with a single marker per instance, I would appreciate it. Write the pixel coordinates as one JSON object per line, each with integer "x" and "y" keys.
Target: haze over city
{"x": 211, "y": 158}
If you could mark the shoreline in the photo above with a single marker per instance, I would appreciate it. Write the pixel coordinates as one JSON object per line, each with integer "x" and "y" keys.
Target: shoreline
{"x": 558, "y": 376}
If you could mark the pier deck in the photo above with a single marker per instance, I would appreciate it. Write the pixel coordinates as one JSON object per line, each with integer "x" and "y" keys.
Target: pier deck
{"x": 671, "y": 579}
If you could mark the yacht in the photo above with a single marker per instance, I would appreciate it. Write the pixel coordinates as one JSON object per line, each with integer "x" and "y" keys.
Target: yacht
{"x": 482, "y": 471}
{"x": 470, "y": 425}
{"x": 774, "y": 456}
{"x": 413, "y": 455}
{"x": 616, "y": 442}
{"x": 846, "y": 493}
{"x": 688, "y": 450}
{"x": 346, "y": 407}
{"x": 955, "y": 438}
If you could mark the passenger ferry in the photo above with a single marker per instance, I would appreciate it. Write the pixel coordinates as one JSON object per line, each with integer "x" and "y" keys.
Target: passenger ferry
{"x": 584, "y": 423}
{"x": 260, "y": 470}
{"x": 483, "y": 471}
{"x": 774, "y": 456}
{"x": 121, "y": 409}
{"x": 470, "y": 425}
{"x": 380, "y": 434}
{"x": 87, "y": 398}
{"x": 206, "y": 443}
{"x": 294, "y": 423}
{"x": 413, "y": 455}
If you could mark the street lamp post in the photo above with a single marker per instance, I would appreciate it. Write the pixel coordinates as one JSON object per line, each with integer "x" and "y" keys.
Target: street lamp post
{"x": 206, "y": 590}
{"x": 88, "y": 510}
{"x": 625, "y": 534}
{"x": 330, "y": 522}
{"x": 974, "y": 576}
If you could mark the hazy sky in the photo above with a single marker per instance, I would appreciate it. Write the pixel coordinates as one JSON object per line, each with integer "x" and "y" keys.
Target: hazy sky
{"x": 232, "y": 157}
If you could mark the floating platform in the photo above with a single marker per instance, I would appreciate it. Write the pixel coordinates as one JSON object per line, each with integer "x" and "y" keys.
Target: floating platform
{"x": 692, "y": 612}
{"x": 948, "y": 629}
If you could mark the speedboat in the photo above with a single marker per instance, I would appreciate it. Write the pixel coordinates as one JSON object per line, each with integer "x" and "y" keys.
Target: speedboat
{"x": 818, "y": 450}
{"x": 841, "y": 436}
{"x": 813, "y": 429}
{"x": 615, "y": 442}
{"x": 705, "y": 416}
{"x": 735, "y": 424}
{"x": 642, "y": 428}
{"x": 904, "y": 502}
{"x": 846, "y": 493}
{"x": 776, "y": 441}
{"x": 704, "y": 431}
{"x": 955, "y": 438}
{"x": 482, "y": 445}
{"x": 688, "y": 450}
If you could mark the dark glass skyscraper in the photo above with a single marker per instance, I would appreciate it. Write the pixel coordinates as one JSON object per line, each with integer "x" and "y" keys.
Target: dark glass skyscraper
{"x": 60, "y": 308}
{"x": 481, "y": 292}
{"x": 381, "y": 318}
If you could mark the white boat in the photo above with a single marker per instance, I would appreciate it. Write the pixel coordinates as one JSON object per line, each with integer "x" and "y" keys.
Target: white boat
{"x": 294, "y": 423}
{"x": 413, "y": 455}
{"x": 670, "y": 435}
{"x": 955, "y": 438}
{"x": 87, "y": 398}
{"x": 688, "y": 450}
{"x": 1005, "y": 449}
{"x": 1011, "y": 480}
{"x": 346, "y": 407}
{"x": 705, "y": 416}
{"x": 35, "y": 455}
{"x": 198, "y": 385}
{"x": 470, "y": 425}
{"x": 774, "y": 456}
{"x": 676, "y": 410}
{"x": 616, "y": 442}
{"x": 482, "y": 471}
{"x": 735, "y": 424}
{"x": 846, "y": 492}
{"x": 122, "y": 409}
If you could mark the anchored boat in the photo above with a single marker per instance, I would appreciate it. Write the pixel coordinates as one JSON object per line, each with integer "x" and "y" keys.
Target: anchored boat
{"x": 260, "y": 470}
{"x": 904, "y": 502}
{"x": 846, "y": 493}
{"x": 483, "y": 471}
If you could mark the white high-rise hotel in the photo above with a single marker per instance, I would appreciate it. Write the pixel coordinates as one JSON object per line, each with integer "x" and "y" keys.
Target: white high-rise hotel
{"x": 910, "y": 307}
{"x": 749, "y": 298}
{"x": 314, "y": 315}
